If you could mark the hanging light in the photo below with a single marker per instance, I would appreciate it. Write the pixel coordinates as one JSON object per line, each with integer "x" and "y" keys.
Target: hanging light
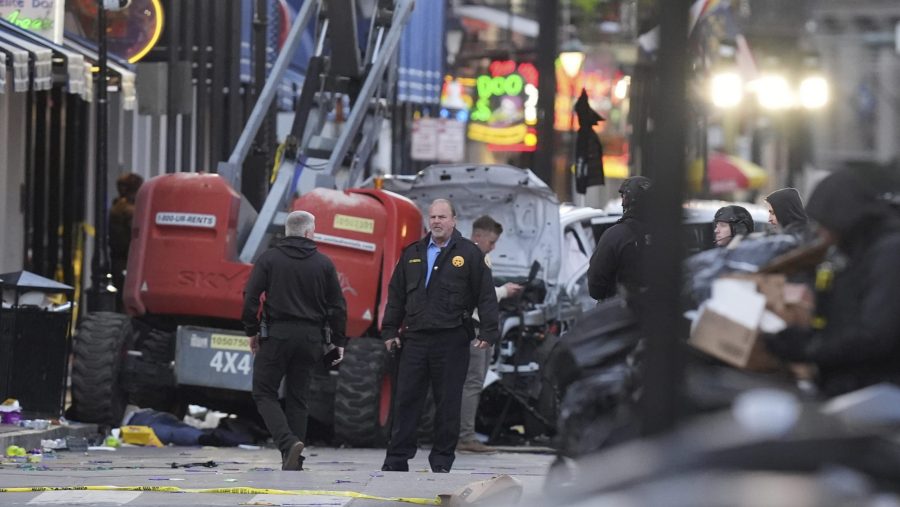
{"x": 571, "y": 57}
{"x": 454, "y": 39}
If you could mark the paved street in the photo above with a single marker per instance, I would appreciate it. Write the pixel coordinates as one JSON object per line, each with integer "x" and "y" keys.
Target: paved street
{"x": 328, "y": 469}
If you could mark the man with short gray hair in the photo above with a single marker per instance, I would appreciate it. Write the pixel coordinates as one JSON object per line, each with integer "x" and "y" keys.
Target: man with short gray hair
{"x": 300, "y": 223}
{"x": 302, "y": 295}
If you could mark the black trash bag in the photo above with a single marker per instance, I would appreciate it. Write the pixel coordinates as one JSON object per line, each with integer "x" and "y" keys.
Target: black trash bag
{"x": 602, "y": 380}
{"x": 754, "y": 252}
{"x": 603, "y": 335}
{"x": 596, "y": 412}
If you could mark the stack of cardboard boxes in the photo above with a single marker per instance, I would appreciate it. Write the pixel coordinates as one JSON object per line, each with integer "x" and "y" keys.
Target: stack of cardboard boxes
{"x": 742, "y": 307}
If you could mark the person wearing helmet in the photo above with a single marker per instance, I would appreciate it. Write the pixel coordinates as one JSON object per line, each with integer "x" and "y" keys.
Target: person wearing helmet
{"x": 616, "y": 262}
{"x": 729, "y": 222}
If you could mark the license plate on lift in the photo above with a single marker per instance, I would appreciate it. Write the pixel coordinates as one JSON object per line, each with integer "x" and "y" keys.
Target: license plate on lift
{"x": 213, "y": 358}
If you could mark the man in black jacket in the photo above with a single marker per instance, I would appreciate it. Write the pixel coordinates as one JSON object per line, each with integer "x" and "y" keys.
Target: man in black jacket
{"x": 436, "y": 285}
{"x": 302, "y": 296}
{"x": 616, "y": 262}
{"x": 858, "y": 340}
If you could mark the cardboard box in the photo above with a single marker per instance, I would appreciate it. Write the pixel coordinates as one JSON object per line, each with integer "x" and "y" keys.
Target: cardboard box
{"x": 793, "y": 302}
{"x": 729, "y": 322}
{"x": 730, "y": 341}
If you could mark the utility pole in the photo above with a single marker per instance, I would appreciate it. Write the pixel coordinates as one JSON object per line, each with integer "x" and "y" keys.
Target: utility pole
{"x": 662, "y": 324}
{"x": 548, "y": 44}
{"x": 102, "y": 294}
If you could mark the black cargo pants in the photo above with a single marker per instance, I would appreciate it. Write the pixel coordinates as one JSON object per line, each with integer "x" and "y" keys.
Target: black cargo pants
{"x": 292, "y": 359}
{"x": 440, "y": 359}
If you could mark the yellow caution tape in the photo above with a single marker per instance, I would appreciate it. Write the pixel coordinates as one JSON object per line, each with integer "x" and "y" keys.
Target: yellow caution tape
{"x": 232, "y": 491}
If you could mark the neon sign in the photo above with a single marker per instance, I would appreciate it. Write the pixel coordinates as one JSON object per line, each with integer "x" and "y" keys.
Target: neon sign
{"x": 505, "y": 112}
{"x": 456, "y": 98}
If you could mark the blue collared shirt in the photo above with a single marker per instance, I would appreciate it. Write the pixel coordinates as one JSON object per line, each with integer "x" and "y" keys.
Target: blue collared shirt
{"x": 432, "y": 254}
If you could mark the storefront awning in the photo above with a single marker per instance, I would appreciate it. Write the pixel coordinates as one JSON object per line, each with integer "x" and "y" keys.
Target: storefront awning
{"x": 74, "y": 71}
{"x": 34, "y": 59}
{"x": 40, "y": 58}
{"x": 77, "y": 72}
{"x": 15, "y": 58}
{"x": 118, "y": 66}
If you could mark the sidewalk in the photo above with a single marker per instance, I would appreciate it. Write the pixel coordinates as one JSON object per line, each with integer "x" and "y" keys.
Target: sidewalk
{"x": 30, "y": 439}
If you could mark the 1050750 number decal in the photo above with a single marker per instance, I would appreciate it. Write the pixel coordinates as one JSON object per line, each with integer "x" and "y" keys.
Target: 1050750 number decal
{"x": 224, "y": 361}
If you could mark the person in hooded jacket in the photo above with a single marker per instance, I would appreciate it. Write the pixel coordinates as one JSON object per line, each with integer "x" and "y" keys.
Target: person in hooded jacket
{"x": 287, "y": 333}
{"x": 616, "y": 261}
{"x": 857, "y": 342}
{"x": 786, "y": 213}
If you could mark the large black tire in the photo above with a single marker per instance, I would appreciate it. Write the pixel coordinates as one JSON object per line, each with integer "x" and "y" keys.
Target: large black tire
{"x": 149, "y": 377}
{"x": 99, "y": 349}
{"x": 362, "y": 399}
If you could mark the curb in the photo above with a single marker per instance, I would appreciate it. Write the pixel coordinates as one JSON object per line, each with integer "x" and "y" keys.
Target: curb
{"x": 31, "y": 439}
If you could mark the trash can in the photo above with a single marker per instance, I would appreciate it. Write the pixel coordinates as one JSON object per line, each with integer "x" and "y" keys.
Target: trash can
{"x": 35, "y": 342}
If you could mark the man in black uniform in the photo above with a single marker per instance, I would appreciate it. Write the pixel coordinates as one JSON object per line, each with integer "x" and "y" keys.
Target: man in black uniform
{"x": 436, "y": 285}
{"x": 617, "y": 259}
{"x": 730, "y": 222}
{"x": 302, "y": 296}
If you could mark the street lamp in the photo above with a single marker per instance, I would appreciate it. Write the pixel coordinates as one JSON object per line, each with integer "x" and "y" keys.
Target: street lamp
{"x": 774, "y": 92}
{"x": 726, "y": 90}
{"x": 571, "y": 57}
{"x": 454, "y": 40}
{"x": 814, "y": 92}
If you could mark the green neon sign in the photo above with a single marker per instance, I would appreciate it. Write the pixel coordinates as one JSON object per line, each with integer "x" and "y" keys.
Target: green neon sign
{"x": 29, "y": 23}
{"x": 494, "y": 86}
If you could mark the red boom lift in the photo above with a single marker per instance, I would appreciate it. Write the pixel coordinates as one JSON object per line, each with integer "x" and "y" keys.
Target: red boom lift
{"x": 195, "y": 237}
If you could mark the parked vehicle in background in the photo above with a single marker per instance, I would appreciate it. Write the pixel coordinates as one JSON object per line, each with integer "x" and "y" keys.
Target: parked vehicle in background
{"x": 697, "y": 228}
